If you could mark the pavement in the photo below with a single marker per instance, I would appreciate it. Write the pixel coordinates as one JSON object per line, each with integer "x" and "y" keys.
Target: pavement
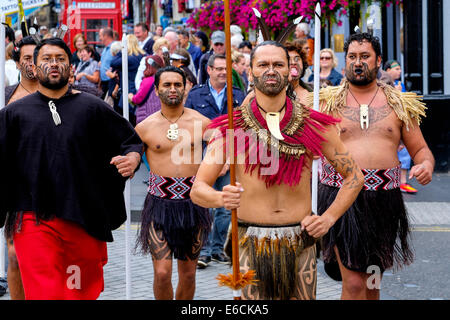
{"x": 429, "y": 208}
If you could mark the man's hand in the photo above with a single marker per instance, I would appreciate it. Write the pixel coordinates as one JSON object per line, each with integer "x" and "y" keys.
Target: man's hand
{"x": 422, "y": 172}
{"x": 316, "y": 225}
{"x": 79, "y": 76}
{"x": 126, "y": 164}
{"x": 231, "y": 196}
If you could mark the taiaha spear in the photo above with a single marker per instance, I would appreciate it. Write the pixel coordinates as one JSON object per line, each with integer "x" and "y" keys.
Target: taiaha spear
{"x": 237, "y": 280}
{"x": 315, "y": 169}
{"x": 2, "y": 105}
{"x": 127, "y": 183}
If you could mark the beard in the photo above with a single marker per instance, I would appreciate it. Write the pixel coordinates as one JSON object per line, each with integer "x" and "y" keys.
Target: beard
{"x": 43, "y": 76}
{"x": 366, "y": 75}
{"x": 171, "y": 102}
{"x": 271, "y": 89}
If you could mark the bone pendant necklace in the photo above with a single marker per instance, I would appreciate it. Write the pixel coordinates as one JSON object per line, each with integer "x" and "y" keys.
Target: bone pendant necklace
{"x": 273, "y": 122}
{"x": 364, "y": 110}
{"x": 172, "y": 133}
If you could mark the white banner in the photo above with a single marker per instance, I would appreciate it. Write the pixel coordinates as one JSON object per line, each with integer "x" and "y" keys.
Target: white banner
{"x": 12, "y": 6}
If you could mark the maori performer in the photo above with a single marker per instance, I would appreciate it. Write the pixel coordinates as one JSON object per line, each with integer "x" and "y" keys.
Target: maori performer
{"x": 298, "y": 65}
{"x": 372, "y": 235}
{"x": 275, "y": 140}
{"x": 23, "y": 56}
{"x": 171, "y": 224}
{"x": 67, "y": 155}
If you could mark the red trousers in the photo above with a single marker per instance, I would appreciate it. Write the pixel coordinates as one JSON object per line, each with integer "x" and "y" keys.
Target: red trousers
{"x": 58, "y": 260}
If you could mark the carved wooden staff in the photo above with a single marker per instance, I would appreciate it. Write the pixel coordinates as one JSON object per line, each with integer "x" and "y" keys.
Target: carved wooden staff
{"x": 237, "y": 280}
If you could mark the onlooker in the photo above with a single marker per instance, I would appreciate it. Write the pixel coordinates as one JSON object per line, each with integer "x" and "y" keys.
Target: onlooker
{"x": 158, "y": 31}
{"x": 146, "y": 100}
{"x": 328, "y": 63}
{"x": 302, "y": 32}
{"x": 210, "y": 99}
{"x": 194, "y": 51}
{"x": 43, "y": 31}
{"x": 201, "y": 41}
{"x": 157, "y": 50}
{"x": 181, "y": 59}
{"x": 78, "y": 42}
{"x": 218, "y": 47}
{"x": 107, "y": 37}
{"x": 88, "y": 71}
{"x": 394, "y": 69}
{"x": 135, "y": 54}
{"x": 18, "y": 35}
{"x": 245, "y": 47}
{"x": 145, "y": 38}
{"x": 11, "y": 71}
{"x": 239, "y": 77}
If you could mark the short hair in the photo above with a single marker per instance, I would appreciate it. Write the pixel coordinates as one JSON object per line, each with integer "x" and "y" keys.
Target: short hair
{"x": 160, "y": 43}
{"x": 169, "y": 69}
{"x": 89, "y": 49}
{"x": 185, "y": 54}
{"x": 360, "y": 37}
{"x": 184, "y": 33}
{"x": 297, "y": 47}
{"x": 108, "y": 32}
{"x": 142, "y": 25}
{"x": 9, "y": 33}
{"x": 268, "y": 43}
{"x": 213, "y": 57}
{"x": 333, "y": 56}
{"x": 245, "y": 43}
{"x": 236, "y": 56}
{"x": 9, "y": 51}
{"x": 52, "y": 42}
{"x": 26, "y": 41}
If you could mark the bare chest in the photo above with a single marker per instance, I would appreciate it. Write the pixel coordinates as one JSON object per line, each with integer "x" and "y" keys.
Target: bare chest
{"x": 374, "y": 122}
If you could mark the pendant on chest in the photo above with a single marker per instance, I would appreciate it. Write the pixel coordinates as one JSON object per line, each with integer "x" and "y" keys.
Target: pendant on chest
{"x": 364, "y": 116}
{"x": 172, "y": 133}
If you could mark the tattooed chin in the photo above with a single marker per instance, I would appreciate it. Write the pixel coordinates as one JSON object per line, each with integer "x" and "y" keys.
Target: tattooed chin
{"x": 361, "y": 76}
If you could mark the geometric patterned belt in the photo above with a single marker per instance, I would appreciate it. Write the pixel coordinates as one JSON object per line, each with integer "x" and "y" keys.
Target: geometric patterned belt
{"x": 170, "y": 188}
{"x": 374, "y": 179}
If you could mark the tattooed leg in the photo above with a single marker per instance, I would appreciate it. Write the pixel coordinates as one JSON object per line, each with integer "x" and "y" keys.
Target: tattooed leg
{"x": 307, "y": 275}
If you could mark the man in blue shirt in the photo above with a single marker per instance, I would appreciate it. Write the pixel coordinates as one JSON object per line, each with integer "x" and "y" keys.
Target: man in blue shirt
{"x": 210, "y": 99}
{"x": 107, "y": 37}
{"x": 194, "y": 51}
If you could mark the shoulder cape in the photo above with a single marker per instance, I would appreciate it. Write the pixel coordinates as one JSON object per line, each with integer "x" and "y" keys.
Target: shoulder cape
{"x": 407, "y": 105}
{"x": 261, "y": 150}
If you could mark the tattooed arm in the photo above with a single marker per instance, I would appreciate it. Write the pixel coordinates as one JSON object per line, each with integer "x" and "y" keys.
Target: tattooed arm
{"x": 340, "y": 158}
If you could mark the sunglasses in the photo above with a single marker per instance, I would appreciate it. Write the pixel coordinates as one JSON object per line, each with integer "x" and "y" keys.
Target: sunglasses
{"x": 325, "y": 58}
{"x": 218, "y": 44}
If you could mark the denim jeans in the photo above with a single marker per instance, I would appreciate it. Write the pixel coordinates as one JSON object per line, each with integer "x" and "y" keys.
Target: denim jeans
{"x": 222, "y": 218}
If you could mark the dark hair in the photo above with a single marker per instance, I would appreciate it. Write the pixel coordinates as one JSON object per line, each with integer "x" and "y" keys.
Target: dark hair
{"x": 245, "y": 43}
{"x": 142, "y": 25}
{"x": 89, "y": 49}
{"x": 213, "y": 57}
{"x": 295, "y": 46}
{"x": 26, "y": 41}
{"x": 268, "y": 43}
{"x": 52, "y": 42}
{"x": 389, "y": 63}
{"x": 184, "y": 33}
{"x": 205, "y": 39}
{"x": 169, "y": 69}
{"x": 108, "y": 32}
{"x": 360, "y": 37}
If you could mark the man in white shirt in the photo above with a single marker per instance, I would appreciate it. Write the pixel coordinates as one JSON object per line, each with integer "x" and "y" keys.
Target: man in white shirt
{"x": 145, "y": 38}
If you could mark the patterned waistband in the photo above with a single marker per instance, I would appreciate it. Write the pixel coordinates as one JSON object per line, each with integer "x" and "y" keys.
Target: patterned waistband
{"x": 170, "y": 188}
{"x": 374, "y": 179}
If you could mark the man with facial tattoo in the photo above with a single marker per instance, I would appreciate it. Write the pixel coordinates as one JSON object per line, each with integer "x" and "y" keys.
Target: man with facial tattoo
{"x": 67, "y": 156}
{"x": 23, "y": 56}
{"x": 172, "y": 226}
{"x": 372, "y": 235}
{"x": 275, "y": 140}
{"x": 298, "y": 64}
